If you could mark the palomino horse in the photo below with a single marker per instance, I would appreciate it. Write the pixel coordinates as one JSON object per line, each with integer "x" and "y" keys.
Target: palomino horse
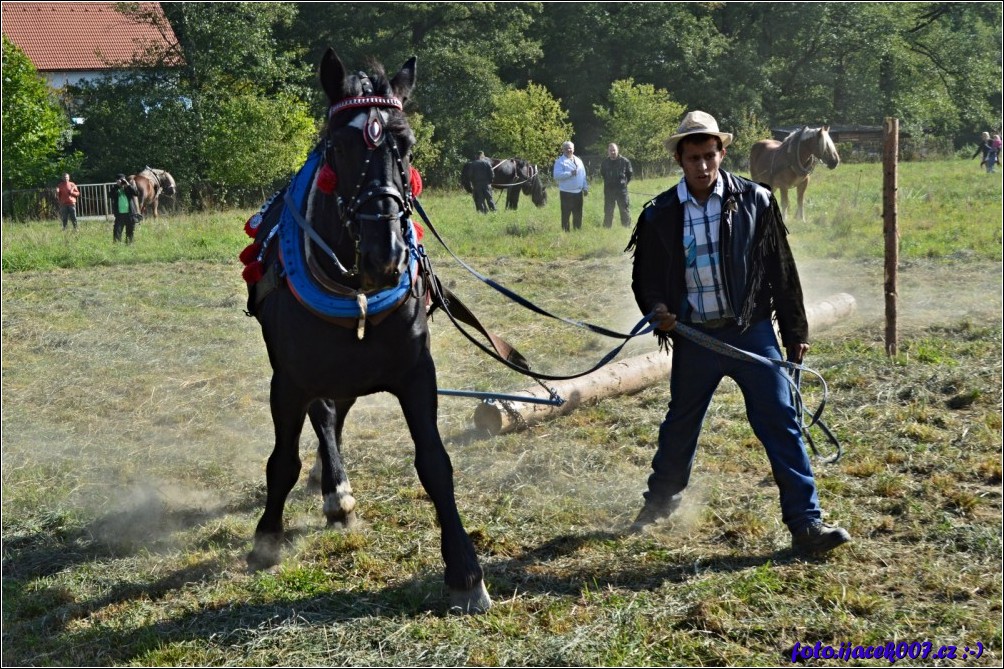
{"x": 336, "y": 285}
{"x": 787, "y": 164}
{"x": 513, "y": 175}
{"x": 151, "y": 183}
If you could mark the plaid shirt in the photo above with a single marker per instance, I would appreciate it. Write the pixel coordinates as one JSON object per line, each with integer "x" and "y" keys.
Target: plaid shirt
{"x": 701, "y": 237}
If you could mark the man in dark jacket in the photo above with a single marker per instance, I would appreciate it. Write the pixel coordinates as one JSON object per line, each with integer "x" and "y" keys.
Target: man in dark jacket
{"x": 482, "y": 176}
{"x": 712, "y": 253}
{"x": 122, "y": 197}
{"x": 616, "y": 172}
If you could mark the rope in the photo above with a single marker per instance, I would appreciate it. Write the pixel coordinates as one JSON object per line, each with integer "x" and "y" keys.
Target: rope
{"x": 792, "y": 374}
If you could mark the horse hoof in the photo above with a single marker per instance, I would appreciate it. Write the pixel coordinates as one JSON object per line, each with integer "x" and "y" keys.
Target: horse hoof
{"x": 266, "y": 552}
{"x": 343, "y": 521}
{"x": 340, "y": 509}
{"x": 475, "y": 600}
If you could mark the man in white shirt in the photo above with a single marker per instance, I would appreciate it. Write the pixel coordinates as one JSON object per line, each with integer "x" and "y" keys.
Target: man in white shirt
{"x": 570, "y": 174}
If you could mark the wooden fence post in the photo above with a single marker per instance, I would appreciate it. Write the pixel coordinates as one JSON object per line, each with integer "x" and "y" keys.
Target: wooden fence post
{"x": 890, "y": 184}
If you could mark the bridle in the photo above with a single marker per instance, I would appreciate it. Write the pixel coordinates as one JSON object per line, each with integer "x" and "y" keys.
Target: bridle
{"x": 349, "y": 211}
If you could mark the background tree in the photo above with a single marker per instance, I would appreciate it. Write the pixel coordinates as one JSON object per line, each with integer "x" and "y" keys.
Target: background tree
{"x": 234, "y": 114}
{"x": 35, "y": 127}
{"x": 528, "y": 123}
{"x": 639, "y": 119}
{"x": 461, "y": 50}
{"x": 257, "y": 140}
{"x": 754, "y": 66}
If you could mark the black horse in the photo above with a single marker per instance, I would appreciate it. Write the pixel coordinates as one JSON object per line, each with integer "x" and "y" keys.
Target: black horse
{"x": 343, "y": 311}
{"x": 514, "y": 176}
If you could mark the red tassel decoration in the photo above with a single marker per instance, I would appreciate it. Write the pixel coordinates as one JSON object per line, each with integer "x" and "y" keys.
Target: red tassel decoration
{"x": 327, "y": 180}
{"x": 416, "y": 182}
{"x": 253, "y": 272}
{"x": 250, "y": 253}
{"x": 251, "y": 227}
{"x": 419, "y": 231}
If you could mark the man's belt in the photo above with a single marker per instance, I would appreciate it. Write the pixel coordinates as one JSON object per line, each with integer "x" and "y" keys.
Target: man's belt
{"x": 715, "y": 324}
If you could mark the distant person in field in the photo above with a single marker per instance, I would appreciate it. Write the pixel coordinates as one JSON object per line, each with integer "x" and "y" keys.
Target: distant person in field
{"x": 616, "y": 172}
{"x": 712, "y": 253}
{"x": 570, "y": 173}
{"x": 67, "y": 193}
{"x": 482, "y": 176}
{"x": 983, "y": 149}
{"x": 122, "y": 197}
{"x": 994, "y": 155}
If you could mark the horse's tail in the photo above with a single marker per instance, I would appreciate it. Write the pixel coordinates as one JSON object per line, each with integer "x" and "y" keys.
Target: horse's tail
{"x": 465, "y": 177}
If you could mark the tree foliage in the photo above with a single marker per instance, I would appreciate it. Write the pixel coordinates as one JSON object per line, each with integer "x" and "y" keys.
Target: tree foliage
{"x": 253, "y": 139}
{"x": 639, "y": 119}
{"x": 236, "y": 113}
{"x": 35, "y": 127}
{"x": 486, "y": 71}
{"x": 528, "y": 123}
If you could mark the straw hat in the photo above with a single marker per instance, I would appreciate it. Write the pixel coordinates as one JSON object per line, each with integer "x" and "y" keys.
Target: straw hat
{"x": 697, "y": 123}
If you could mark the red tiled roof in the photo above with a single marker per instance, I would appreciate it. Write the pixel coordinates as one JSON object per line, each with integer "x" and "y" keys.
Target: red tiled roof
{"x": 75, "y": 36}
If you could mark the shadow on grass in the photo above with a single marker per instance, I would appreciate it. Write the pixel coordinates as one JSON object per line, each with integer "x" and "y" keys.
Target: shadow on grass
{"x": 38, "y": 629}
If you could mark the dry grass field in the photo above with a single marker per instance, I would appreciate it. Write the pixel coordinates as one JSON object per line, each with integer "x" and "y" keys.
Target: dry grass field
{"x": 136, "y": 429}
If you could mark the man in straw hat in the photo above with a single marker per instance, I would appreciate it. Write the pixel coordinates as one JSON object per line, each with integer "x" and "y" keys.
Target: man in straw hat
{"x": 712, "y": 253}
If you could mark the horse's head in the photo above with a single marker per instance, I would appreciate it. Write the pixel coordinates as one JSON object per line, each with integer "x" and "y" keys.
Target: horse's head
{"x": 167, "y": 183}
{"x": 367, "y": 146}
{"x": 533, "y": 185}
{"x": 826, "y": 149}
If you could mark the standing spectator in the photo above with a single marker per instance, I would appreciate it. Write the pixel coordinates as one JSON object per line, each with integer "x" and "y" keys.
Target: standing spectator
{"x": 67, "y": 192}
{"x": 712, "y": 252}
{"x": 123, "y": 200}
{"x": 994, "y": 154}
{"x": 983, "y": 149}
{"x": 616, "y": 172}
{"x": 482, "y": 176}
{"x": 570, "y": 174}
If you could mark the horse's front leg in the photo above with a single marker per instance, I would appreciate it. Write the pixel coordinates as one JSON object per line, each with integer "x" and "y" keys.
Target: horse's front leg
{"x": 289, "y": 407}
{"x": 463, "y": 574}
{"x": 802, "y": 185}
{"x": 784, "y": 201}
{"x": 328, "y": 418}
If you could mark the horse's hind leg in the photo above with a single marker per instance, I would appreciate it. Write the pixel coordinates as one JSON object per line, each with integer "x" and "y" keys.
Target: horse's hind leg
{"x": 328, "y": 418}
{"x": 463, "y": 575}
{"x": 289, "y": 408}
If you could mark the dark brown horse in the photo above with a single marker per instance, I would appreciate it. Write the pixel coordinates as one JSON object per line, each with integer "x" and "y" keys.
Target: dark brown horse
{"x": 788, "y": 164}
{"x": 513, "y": 175}
{"x": 151, "y": 184}
{"x": 343, "y": 313}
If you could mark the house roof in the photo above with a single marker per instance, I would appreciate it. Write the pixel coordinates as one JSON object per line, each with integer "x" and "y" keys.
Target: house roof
{"x": 76, "y": 36}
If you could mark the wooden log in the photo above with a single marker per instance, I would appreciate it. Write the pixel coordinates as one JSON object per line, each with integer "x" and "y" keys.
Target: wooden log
{"x": 620, "y": 377}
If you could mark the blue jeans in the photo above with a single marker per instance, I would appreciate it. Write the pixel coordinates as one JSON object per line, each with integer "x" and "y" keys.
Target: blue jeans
{"x": 770, "y": 410}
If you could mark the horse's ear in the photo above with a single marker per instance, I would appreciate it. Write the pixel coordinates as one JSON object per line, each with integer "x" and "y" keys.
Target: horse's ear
{"x": 826, "y": 128}
{"x": 332, "y": 74}
{"x": 404, "y": 81}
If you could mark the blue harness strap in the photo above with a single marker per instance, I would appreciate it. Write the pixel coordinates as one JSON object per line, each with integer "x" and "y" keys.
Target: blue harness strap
{"x": 303, "y": 285}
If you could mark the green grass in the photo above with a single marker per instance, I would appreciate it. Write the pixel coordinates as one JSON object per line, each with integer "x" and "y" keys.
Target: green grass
{"x": 843, "y": 212}
{"x": 136, "y": 430}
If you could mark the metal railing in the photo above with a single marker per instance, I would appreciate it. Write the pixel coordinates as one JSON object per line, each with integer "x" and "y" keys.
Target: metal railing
{"x": 42, "y": 203}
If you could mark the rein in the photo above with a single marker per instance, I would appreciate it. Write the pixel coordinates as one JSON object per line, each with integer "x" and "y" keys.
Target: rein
{"x": 792, "y": 371}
